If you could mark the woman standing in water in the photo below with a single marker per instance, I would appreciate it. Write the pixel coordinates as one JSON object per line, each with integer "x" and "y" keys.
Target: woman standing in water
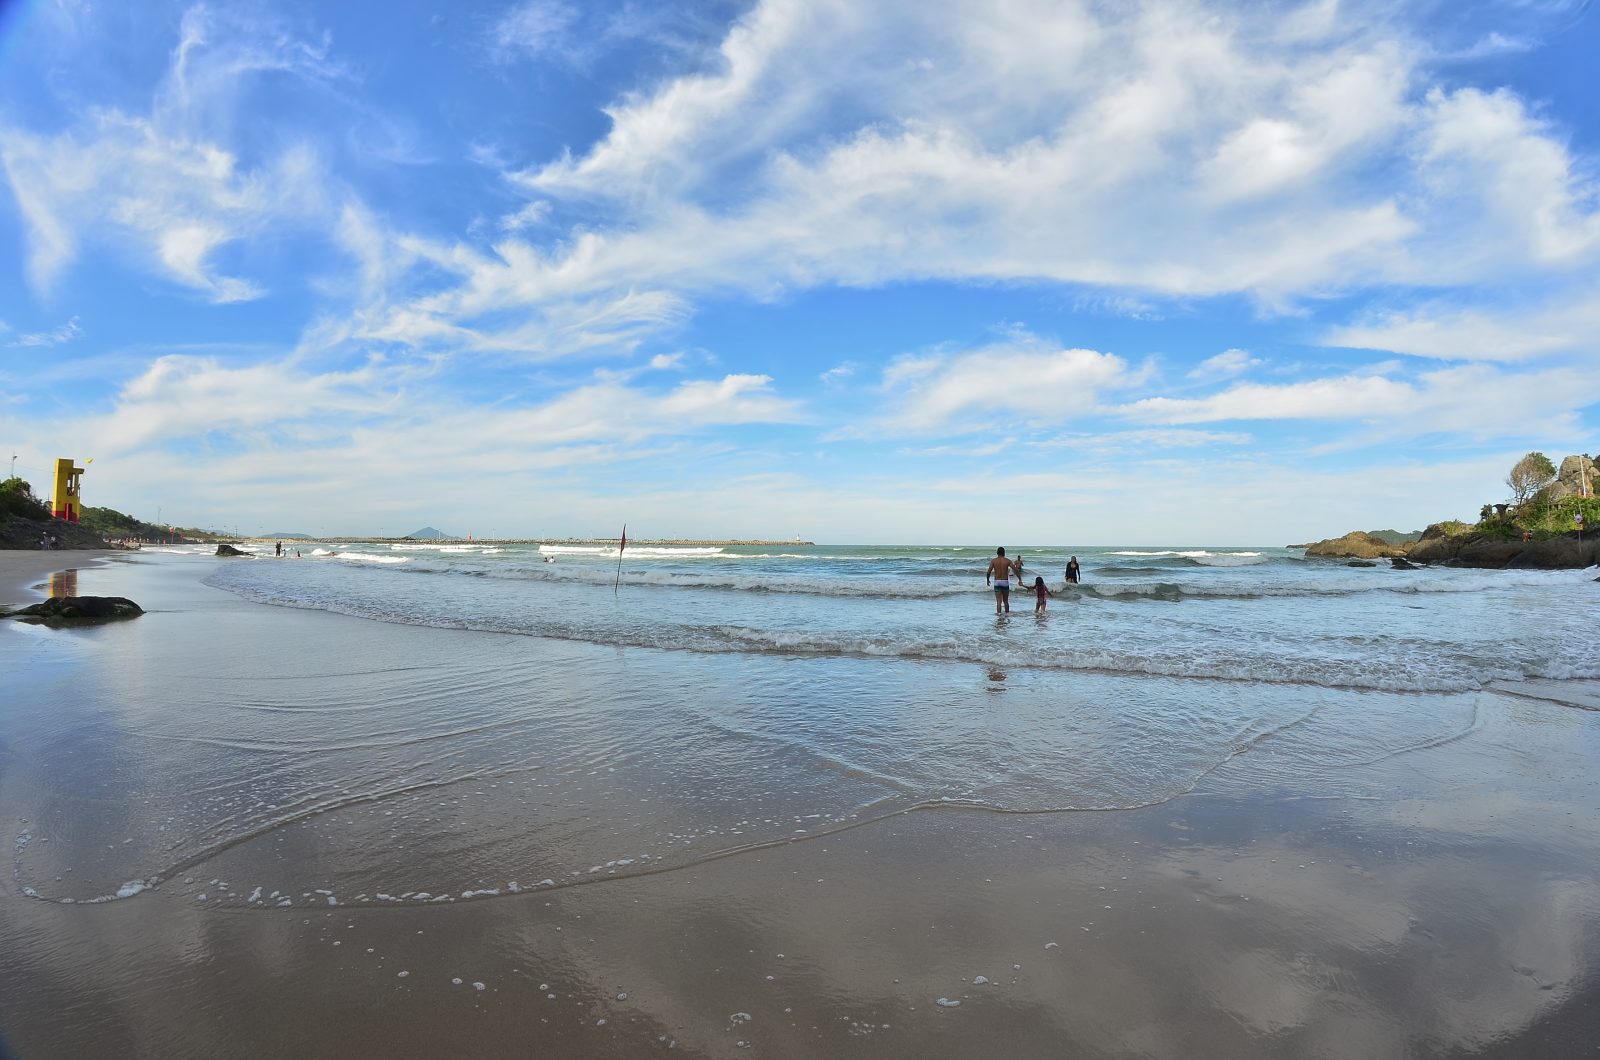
{"x": 1073, "y": 571}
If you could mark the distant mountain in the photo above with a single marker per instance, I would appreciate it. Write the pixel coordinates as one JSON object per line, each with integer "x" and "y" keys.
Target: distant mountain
{"x": 295, "y": 537}
{"x": 428, "y": 532}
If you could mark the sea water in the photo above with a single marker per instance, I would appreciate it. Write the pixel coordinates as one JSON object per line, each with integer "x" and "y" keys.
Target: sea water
{"x": 1231, "y": 613}
{"x": 506, "y": 719}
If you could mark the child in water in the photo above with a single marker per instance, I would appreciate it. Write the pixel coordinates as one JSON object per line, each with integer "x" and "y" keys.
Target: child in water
{"x": 1039, "y": 592}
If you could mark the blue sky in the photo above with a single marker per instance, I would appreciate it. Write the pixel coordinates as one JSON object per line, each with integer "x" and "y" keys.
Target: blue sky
{"x": 1032, "y": 272}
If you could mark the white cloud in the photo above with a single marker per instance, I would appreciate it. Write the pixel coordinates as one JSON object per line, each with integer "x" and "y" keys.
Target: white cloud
{"x": 1566, "y": 323}
{"x": 1503, "y": 194}
{"x": 1119, "y": 441}
{"x": 283, "y": 404}
{"x": 183, "y": 397}
{"x": 1020, "y": 376}
{"x": 1138, "y": 153}
{"x": 159, "y": 186}
{"x": 1224, "y": 365}
{"x": 1472, "y": 400}
{"x": 1160, "y": 147}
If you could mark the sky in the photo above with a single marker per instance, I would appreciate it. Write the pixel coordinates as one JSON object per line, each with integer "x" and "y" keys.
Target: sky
{"x": 1028, "y": 272}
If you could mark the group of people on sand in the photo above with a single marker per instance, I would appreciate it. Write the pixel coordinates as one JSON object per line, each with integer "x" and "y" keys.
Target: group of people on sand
{"x": 998, "y": 576}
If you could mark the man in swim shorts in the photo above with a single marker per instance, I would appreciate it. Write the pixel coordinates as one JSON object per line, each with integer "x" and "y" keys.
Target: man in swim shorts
{"x": 999, "y": 575}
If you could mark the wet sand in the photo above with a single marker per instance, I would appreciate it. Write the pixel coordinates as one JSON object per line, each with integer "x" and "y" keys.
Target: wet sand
{"x": 22, "y": 570}
{"x": 1437, "y": 901}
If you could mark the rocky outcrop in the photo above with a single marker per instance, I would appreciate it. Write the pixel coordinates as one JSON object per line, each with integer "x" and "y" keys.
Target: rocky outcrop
{"x": 229, "y": 550}
{"x": 25, "y": 533}
{"x": 79, "y": 610}
{"x": 1360, "y": 563}
{"x": 1401, "y": 563}
{"x": 1494, "y": 551}
{"x": 1577, "y": 478}
{"x": 1355, "y": 545}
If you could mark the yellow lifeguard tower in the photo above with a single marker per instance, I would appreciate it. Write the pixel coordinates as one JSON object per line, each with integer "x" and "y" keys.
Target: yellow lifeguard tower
{"x": 64, "y": 502}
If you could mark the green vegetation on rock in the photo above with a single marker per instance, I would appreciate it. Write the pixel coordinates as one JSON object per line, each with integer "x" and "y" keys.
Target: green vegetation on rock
{"x": 18, "y": 502}
{"x": 108, "y": 522}
{"x": 24, "y": 518}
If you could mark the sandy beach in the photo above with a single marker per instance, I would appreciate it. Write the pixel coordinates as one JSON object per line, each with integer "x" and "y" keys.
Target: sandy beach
{"x": 22, "y": 571}
{"x": 243, "y": 830}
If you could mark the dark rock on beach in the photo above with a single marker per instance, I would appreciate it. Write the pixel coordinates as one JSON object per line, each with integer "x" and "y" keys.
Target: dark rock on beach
{"x": 1361, "y": 563}
{"x": 1401, "y": 563}
{"x": 229, "y": 550}
{"x": 74, "y": 610}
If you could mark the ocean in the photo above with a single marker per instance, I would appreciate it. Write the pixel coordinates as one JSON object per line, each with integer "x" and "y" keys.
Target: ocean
{"x": 1230, "y": 613}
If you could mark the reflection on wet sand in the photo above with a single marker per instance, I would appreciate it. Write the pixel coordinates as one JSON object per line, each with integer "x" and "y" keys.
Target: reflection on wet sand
{"x": 64, "y": 583}
{"x": 1351, "y": 874}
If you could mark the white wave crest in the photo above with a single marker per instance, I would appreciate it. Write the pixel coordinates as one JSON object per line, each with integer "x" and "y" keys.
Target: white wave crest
{"x": 641, "y": 551}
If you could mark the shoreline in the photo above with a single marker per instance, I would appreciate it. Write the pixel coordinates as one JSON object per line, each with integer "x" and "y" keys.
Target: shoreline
{"x": 21, "y": 570}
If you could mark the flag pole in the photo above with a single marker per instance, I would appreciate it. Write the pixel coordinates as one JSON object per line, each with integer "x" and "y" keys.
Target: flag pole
{"x": 620, "y": 546}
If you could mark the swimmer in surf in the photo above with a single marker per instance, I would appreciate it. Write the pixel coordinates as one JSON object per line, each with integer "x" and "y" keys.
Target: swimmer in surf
{"x": 1040, "y": 592}
{"x": 999, "y": 577}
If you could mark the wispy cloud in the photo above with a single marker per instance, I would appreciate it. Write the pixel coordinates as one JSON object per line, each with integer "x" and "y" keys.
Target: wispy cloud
{"x": 1562, "y": 322}
{"x": 1224, "y": 365}
{"x": 1144, "y": 441}
{"x": 1471, "y": 400}
{"x": 65, "y": 333}
{"x": 158, "y": 184}
{"x": 182, "y": 398}
{"x": 531, "y": 29}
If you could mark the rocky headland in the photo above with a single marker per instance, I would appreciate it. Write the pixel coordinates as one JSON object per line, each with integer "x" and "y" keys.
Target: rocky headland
{"x": 1496, "y": 551}
{"x": 1462, "y": 545}
{"x": 1552, "y": 523}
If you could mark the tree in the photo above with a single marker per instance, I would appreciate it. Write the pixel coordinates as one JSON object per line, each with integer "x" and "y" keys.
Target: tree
{"x": 1529, "y": 475}
{"x": 17, "y": 500}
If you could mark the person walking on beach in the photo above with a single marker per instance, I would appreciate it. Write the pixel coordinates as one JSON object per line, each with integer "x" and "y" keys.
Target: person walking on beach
{"x": 1073, "y": 571}
{"x": 999, "y": 575}
{"x": 1040, "y": 592}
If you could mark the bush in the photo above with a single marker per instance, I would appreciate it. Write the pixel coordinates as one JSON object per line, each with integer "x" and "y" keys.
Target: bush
{"x": 1556, "y": 517}
{"x": 1499, "y": 528}
{"x": 18, "y": 502}
{"x": 109, "y": 521}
